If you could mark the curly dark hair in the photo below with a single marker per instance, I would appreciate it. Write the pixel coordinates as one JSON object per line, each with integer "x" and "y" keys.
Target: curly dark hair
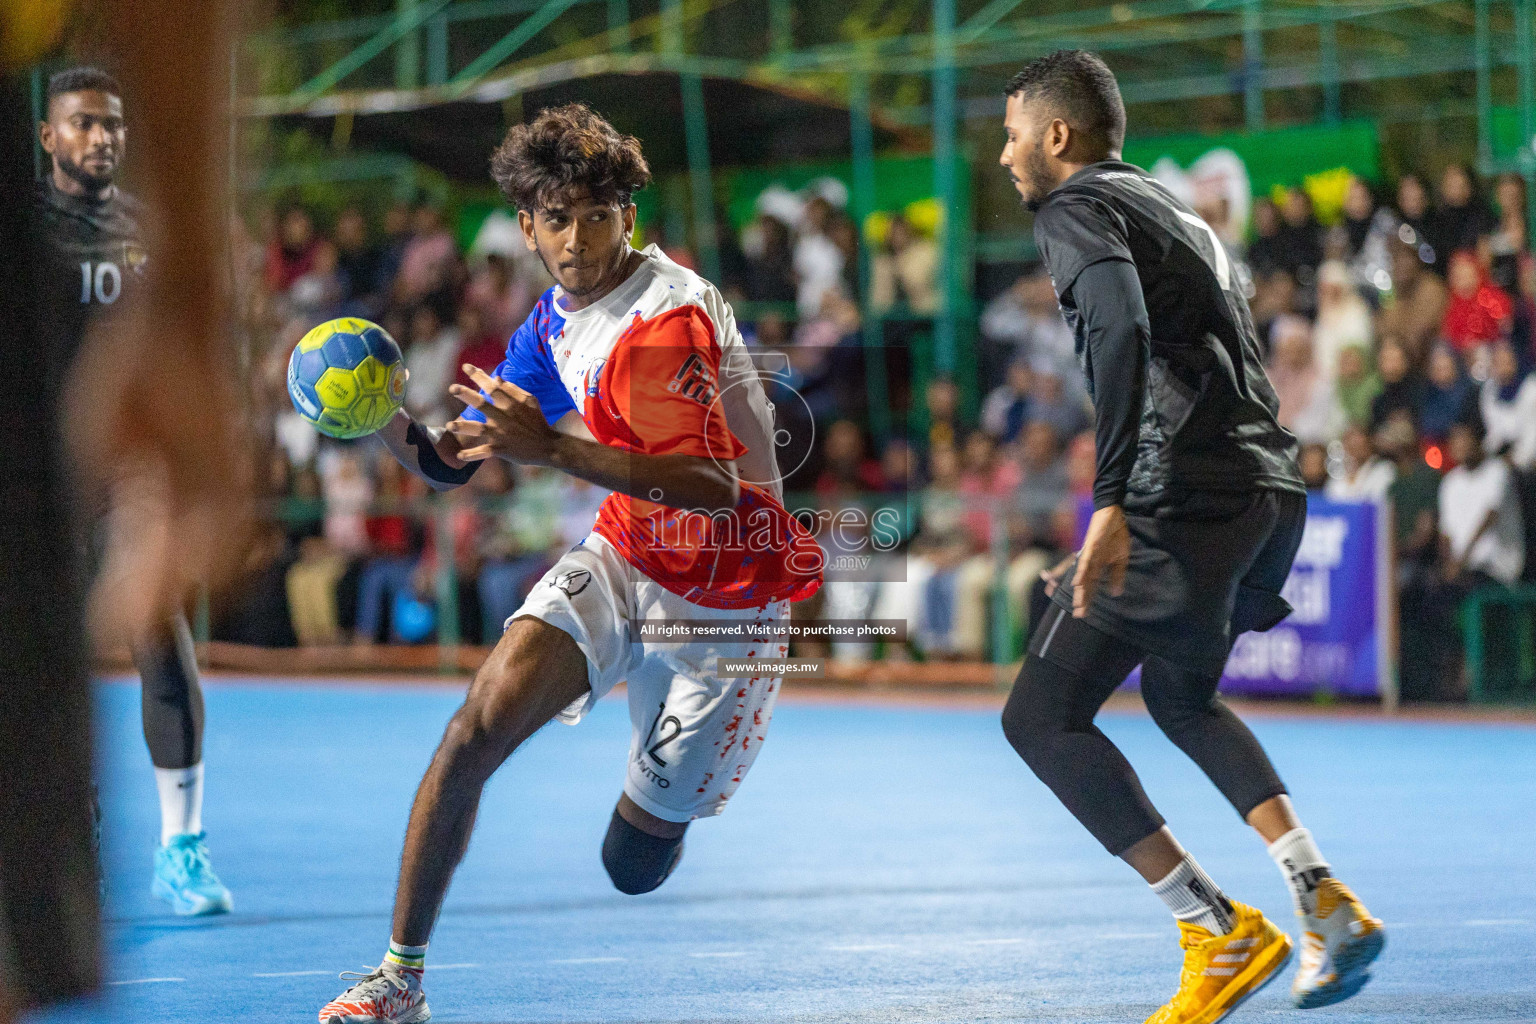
{"x": 566, "y": 149}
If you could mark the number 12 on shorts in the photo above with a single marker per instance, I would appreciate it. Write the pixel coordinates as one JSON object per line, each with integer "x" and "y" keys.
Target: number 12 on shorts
{"x": 658, "y": 732}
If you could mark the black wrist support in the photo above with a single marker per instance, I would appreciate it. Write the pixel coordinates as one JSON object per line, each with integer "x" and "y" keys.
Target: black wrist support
{"x": 432, "y": 464}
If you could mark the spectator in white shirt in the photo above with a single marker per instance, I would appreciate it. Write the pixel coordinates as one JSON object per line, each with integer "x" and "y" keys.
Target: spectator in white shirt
{"x": 1509, "y": 408}
{"x": 1365, "y": 475}
{"x": 817, "y": 259}
{"x": 1309, "y": 405}
{"x": 1025, "y": 322}
{"x": 1482, "y": 535}
{"x": 1343, "y": 318}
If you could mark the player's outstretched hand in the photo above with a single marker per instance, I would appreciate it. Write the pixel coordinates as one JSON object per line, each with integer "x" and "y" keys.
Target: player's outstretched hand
{"x": 1106, "y": 551}
{"x": 514, "y": 426}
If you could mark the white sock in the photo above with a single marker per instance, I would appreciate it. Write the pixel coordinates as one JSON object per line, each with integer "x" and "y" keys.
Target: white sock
{"x": 1302, "y": 864}
{"x": 1195, "y": 899}
{"x": 181, "y": 801}
{"x": 407, "y": 958}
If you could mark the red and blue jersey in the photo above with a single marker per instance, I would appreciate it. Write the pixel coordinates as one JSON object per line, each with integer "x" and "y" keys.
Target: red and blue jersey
{"x": 657, "y": 367}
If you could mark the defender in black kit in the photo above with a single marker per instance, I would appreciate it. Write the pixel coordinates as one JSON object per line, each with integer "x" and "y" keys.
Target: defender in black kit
{"x": 95, "y": 262}
{"x": 1199, "y": 510}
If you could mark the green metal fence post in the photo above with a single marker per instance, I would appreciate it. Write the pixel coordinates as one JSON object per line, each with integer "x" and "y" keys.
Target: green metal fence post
{"x": 1328, "y": 54}
{"x": 670, "y": 37}
{"x": 1484, "y": 44}
{"x": 781, "y": 26}
{"x": 437, "y": 49}
{"x": 618, "y": 26}
{"x": 1253, "y": 66}
{"x": 402, "y": 25}
{"x": 1001, "y": 632}
{"x": 1525, "y": 63}
{"x": 447, "y": 586}
{"x": 701, "y": 183}
{"x": 202, "y": 626}
{"x": 1472, "y": 634}
{"x": 944, "y": 149}
{"x": 38, "y": 113}
{"x": 507, "y": 45}
{"x": 861, "y": 132}
{"x": 407, "y": 50}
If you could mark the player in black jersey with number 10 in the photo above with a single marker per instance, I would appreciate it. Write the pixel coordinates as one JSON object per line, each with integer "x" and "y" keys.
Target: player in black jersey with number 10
{"x": 1198, "y": 513}
{"x": 96, "y": 259}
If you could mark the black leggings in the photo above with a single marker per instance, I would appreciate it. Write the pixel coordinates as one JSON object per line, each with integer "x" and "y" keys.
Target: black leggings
{"x": 1049, "y": 721}
{"x": 173, "y": 700}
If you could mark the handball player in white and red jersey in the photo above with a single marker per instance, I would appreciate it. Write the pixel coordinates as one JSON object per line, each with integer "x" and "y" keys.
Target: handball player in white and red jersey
{"x": 630, "y": 373}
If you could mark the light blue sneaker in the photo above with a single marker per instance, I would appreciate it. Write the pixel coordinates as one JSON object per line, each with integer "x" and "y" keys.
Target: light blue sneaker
{"x": 184, "y": 877}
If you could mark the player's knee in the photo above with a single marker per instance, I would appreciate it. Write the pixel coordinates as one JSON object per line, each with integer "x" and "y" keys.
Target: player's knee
{"x": 1170, "y": 714}
{"x": 463, "y": 740}
{"x": 1032, "y": 737}
{"x": 1028, "y": 729}
{"x": 635, "y": 860}
{"x": 474, "y": 739}
{"x": 1034, "y": 721}
{"x": 1016, "y": 726}
{"x": 1176, "y": 706}
{"x": 499, "y": 713}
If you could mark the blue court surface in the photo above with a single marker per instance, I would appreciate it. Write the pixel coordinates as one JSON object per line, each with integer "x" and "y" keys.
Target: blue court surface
{"x": 880, "y": 864}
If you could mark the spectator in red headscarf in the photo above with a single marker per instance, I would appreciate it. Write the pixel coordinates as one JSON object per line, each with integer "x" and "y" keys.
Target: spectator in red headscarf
{"x": 291, "y": 254}
{"x": 1479, "y": 310}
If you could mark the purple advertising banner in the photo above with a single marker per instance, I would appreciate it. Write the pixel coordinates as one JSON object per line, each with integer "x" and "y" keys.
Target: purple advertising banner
{"x": 1335, "y": 639}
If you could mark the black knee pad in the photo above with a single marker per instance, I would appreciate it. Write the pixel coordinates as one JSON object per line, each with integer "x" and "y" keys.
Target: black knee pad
{"x": 637, "y": 861}
{"x": 172, "y": 698}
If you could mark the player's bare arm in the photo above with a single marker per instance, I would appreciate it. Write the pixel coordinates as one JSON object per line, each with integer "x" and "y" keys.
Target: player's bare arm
{"x": 516, "y": 430}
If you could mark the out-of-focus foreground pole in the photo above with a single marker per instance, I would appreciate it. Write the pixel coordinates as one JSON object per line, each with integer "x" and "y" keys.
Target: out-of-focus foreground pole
{"x": 157, "y": 402}
{"x": 1253, "y": 65}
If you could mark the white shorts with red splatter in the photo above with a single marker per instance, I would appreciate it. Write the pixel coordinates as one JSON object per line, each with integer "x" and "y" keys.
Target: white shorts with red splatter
{"x": 695, "y": 733}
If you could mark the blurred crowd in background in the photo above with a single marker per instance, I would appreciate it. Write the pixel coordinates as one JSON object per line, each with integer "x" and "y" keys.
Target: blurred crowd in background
{"x": 1400, "y": 340}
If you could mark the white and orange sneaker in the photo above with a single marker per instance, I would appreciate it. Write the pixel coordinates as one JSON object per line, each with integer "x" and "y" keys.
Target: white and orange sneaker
{"x": 1338, "y": 942}
{"x": 386, "y": 995}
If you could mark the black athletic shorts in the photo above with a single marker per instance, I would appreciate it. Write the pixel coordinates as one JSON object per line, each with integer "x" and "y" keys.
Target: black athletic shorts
{"x": 1199, "y": 575}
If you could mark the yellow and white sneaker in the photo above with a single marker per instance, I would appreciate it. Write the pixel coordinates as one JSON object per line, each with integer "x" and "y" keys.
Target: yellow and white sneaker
{"x": 1338, "y": 942}
{"x": 1220, "y": 971}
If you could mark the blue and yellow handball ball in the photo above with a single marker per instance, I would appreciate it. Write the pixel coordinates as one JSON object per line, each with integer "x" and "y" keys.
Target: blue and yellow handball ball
{"x": 346, "y": 377}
